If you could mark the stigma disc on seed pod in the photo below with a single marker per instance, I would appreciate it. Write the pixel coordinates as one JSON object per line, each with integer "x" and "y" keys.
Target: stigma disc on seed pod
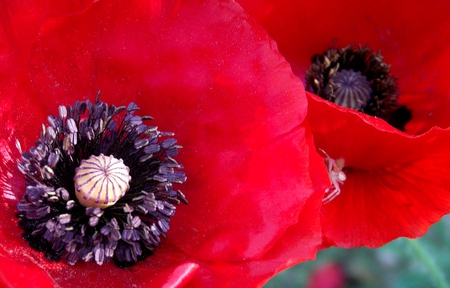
{"x": 100, "y": 181}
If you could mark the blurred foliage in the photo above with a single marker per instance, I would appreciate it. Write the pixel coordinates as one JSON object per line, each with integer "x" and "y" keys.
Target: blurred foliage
{"x": 398, "y": 264}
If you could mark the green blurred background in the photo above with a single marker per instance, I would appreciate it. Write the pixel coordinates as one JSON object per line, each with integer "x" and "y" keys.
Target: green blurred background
{"x": 423, "y": 262}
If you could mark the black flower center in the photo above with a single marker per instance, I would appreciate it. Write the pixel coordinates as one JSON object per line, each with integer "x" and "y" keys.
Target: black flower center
{"x": 99, "y": 185}
{"x": 357, "y": 78}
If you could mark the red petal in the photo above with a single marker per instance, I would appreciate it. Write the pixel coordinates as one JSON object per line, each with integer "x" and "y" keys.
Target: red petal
{"x": 235, "y": 107}
{"x": 21, "y": 22}
{"x": 397, "y": 185}
{"x": 293, "y": 246}
{"x": 24, "y": 273}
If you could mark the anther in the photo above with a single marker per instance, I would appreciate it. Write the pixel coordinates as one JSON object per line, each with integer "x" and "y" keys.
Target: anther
{"x": 101, "y": 181}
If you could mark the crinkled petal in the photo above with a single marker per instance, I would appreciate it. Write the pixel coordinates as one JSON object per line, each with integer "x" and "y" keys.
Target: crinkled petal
{"x": 290, "y": 249}
{"x": 397, "y": 184}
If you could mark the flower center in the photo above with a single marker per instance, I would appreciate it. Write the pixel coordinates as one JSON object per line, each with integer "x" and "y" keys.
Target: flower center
{"x": 99, "y": 185}
{"x": 353, "y": 90}
{"x": 357, "y": 78}
{"x": 101, "y": 181}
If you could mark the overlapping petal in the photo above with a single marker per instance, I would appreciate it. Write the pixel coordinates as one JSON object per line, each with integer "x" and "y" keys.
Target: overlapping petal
{"x": 396, "y": 182}
{"x": 206, "y": 72}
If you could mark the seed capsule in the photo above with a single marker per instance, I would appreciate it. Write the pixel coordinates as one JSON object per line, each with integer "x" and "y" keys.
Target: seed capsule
{"x": 353, "y": 89}
{"x": 101, "y": 181}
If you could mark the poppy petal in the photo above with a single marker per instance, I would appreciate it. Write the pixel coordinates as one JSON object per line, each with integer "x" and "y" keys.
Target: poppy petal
{"x": 394, "y": 187}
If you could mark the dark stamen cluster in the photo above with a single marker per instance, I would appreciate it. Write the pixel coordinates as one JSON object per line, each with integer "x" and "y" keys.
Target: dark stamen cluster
{"x": 383, "y": 99}
{"x": 50, "y": 214}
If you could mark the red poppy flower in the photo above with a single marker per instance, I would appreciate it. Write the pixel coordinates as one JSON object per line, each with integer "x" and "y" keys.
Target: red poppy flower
{"x": 397, "y": 183}
{"x": 327, "y": 275}
{"x": 203, "y": 71}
